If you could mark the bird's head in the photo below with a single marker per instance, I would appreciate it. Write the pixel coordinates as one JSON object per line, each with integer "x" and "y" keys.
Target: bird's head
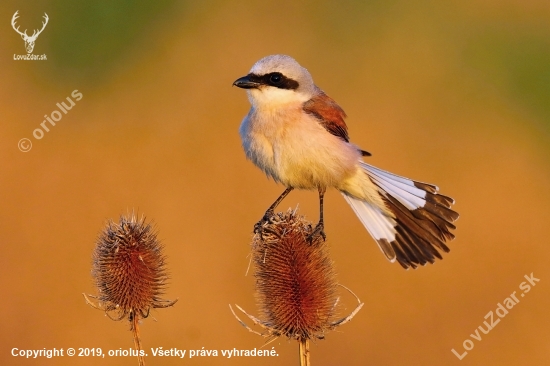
{"x": 277, "y": 79}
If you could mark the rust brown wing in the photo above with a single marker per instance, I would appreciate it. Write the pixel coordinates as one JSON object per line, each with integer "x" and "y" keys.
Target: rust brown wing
{"x": 329, "y": 114}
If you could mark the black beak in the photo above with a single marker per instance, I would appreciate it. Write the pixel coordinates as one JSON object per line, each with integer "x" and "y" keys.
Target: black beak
{"x": 246, "y": 83}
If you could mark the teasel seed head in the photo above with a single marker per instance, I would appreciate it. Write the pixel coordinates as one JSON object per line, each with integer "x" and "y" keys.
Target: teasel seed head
{"x": 129, "y": 269}
{"x": 130, "y": 273}
{"x": 296, "y": 287}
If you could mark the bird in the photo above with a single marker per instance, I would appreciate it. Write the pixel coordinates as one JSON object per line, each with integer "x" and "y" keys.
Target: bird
{"x": 297, "y": 135}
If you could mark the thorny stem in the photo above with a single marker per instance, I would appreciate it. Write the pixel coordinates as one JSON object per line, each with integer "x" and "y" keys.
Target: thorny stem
{"x": 137, "y": 338}
{"x": 304, "y": 352}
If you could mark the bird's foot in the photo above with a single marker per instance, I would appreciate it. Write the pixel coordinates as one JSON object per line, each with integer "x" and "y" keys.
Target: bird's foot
{"x": 318, "y": 230}
{"x": 258, "y": 227}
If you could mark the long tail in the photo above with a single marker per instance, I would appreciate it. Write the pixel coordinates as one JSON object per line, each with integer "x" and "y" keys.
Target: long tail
{"x": 415, "y": 222}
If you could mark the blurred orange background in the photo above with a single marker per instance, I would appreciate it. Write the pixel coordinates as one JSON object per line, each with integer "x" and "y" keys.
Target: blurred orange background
{"x": 455, "y": 93}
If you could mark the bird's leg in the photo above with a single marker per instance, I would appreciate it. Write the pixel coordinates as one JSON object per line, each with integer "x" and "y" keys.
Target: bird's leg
{"x": 271, "y": 209}
{"x": 320, "y": 227}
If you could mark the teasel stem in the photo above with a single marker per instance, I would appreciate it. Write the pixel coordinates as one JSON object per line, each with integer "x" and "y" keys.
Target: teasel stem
{"x": 137, "y": 337}
{"x": 304, "y": 352}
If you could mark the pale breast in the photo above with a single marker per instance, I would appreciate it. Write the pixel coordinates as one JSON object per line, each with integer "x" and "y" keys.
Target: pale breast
{"x": 294, "y": 149}
{"x": 257, "y": 143}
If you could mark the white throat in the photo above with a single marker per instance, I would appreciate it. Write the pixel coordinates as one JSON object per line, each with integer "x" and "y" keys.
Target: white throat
{"x": 271, "y": 96}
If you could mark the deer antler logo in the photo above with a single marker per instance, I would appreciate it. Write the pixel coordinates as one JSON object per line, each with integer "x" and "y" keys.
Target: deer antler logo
{"x": 29, "y": 40}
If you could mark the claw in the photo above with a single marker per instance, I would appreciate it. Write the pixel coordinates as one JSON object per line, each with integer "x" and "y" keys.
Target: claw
{"x": 319, "y": 230}
{"x": 258, "y": 227}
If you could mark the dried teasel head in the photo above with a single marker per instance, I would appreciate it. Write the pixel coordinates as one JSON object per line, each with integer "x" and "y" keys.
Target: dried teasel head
{"x": 130, "y": 273}
{"x": 296, "y": 287}
{"x": 129, "y": 269}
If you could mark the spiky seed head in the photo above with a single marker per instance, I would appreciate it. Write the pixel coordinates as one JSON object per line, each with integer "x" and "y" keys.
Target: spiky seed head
{"x": 129, "y": 268}
{"x": 295, "y": 280}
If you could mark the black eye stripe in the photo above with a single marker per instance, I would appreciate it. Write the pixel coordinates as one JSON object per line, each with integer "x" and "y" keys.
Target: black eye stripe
{"x": 275, "y": 79}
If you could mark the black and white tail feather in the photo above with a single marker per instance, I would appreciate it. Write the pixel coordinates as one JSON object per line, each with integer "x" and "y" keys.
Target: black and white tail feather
{"x": 419, "y": 219}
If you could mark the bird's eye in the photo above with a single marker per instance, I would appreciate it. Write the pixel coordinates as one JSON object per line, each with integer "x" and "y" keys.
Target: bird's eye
{"x": 275, "y": 78}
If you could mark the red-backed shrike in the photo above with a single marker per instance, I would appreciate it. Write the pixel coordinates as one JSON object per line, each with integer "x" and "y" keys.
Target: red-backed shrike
{"x": 296, "y": 134}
